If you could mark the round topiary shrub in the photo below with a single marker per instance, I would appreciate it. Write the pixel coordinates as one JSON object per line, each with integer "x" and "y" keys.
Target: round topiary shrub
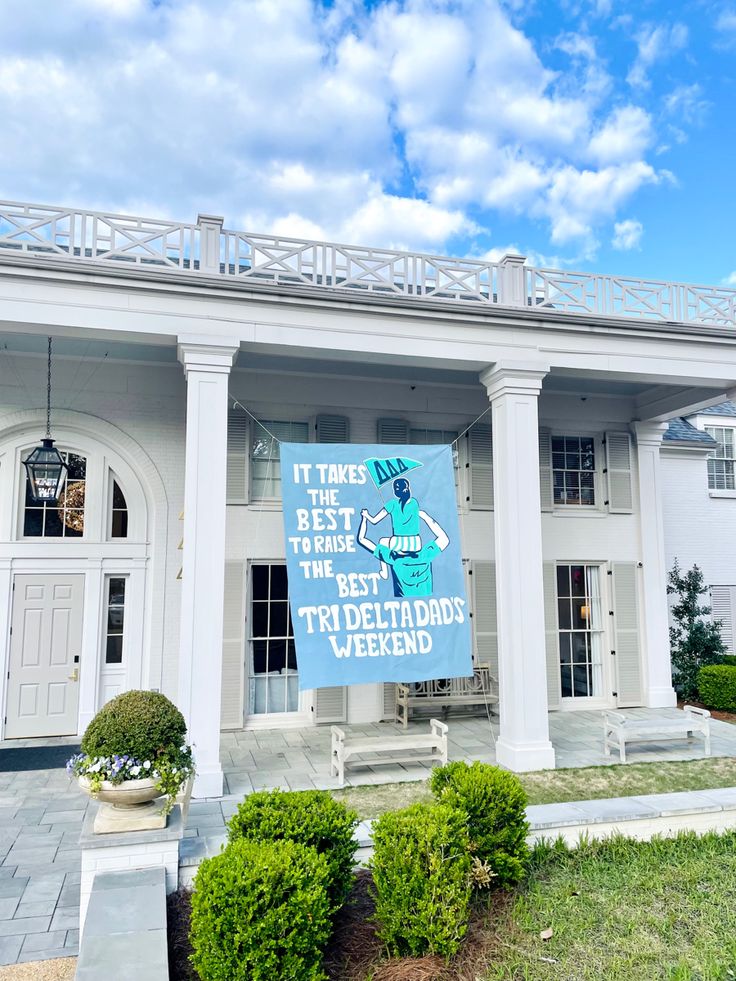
{"x": 310, "y": 817}
{"x": 138, "y": 735}
{"x": 142, "y": 724}
{"x": 495, "y": 805}
{"x": 260, "y": 912}
{"x": 422, "y": 879}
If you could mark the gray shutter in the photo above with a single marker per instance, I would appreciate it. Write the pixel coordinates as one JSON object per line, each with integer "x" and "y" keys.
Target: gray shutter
{"x": 480, "y": 468}
{"x": 722, "y": 604}
{"x": 551, "y": 639}
{"x": 389, "y": 701}
{"x": 333, "y": 429}
{"x": 545, "y": 469}
{"x": 330, "y": 705}
{"x": 618, "y": 473}
{"x": 392, "y": 431}
{"x": 233, "y": 649}
{"x": 485, "y": 627}
{"x": 237, "y": 456}
{"x": 626, "y": 626}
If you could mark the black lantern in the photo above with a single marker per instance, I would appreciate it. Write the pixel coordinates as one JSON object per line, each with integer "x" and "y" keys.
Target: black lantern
{"x": 44, "y": 465}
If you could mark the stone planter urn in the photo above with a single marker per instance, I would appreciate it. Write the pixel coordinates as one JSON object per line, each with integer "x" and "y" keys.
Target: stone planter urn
{"x": 132, "y": 805}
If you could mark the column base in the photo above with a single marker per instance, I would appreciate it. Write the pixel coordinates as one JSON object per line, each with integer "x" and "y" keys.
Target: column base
{"x": 661, "y": 697}
{"x": 208, "y": 781}
{"x": 523, "y": 757}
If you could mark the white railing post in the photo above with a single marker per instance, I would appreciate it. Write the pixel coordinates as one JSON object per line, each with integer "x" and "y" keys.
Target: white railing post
{"x": 210, "y": 230}
{"x": 511, "y": 284}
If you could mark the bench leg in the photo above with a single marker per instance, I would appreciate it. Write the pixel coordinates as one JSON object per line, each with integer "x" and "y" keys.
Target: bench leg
{"x": 707, "y": 742}
{"x": 622, "y": 748}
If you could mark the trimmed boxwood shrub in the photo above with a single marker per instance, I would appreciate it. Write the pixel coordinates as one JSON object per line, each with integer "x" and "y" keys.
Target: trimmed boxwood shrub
{"x": 311, "y": 817}
{"x": 421, "y": 875}
{"x": 141, "y": 724}
{"x": 495, "y": 805}
{"x": 260, "y": 912}
{"x": 717, "y": 686}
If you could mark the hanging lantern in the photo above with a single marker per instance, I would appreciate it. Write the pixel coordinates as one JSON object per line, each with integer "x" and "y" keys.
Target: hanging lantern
{"x": 44, "y": 465}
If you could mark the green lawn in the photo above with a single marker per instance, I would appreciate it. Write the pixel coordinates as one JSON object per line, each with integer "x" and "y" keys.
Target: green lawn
{"x": 621, "y": 911}
{"x": 552, "y": 786}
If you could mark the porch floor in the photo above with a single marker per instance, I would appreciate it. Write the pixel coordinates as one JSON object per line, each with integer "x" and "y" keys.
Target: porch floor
{"x": 299, "y": 759}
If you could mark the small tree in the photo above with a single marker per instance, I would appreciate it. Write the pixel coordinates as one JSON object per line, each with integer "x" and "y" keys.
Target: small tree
{"x": 694, "y": 640}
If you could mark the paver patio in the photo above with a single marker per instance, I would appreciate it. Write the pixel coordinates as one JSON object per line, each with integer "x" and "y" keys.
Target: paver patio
{"x": 41, "y": 811}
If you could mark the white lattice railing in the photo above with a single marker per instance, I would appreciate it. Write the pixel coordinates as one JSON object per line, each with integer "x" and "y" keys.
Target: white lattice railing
{"x": 207, "y": 247}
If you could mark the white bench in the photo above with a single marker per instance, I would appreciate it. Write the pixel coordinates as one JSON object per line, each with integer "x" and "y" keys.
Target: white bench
{"x": 391, "y": 748}
{"x": 480, "y": 689}
{"x": 618, "y": 729}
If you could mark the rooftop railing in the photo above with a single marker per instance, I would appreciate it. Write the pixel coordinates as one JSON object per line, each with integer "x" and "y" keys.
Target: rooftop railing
{"x": 208, "y": 248}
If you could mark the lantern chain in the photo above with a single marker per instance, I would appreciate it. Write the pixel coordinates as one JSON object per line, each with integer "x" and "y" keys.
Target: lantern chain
{"x": 48, "y": 395}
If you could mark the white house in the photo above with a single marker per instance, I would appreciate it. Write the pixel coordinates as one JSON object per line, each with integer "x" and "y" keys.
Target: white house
{"x": 698, "y": 467}
{"x": 162, "y": 566}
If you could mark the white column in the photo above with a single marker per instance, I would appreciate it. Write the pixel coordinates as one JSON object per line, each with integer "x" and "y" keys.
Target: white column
{"x": 524, "y": 742}
{"x": 207, "y": 367}
{"x": 656, "y": 634}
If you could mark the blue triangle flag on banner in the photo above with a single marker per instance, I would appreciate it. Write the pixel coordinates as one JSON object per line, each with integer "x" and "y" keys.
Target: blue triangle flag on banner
{"x": 383, "y": 471}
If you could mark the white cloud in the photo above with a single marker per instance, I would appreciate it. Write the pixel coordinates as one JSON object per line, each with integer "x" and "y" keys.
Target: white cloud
{"x": 726, "y": 27}
{"x": 625, "y": 135}
{"x": 399, "y": 123}
{"x": 655, "y": 43}
{"x": 730, "y": 280}
{"x": 686, "y": 102}
{"x": 627, "y": 235}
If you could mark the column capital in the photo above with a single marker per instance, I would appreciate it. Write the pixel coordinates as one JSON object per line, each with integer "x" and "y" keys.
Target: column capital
{"x": 202, "y": 353}
{"x": 506, "y": 378}
{"x": 649, "y": 432}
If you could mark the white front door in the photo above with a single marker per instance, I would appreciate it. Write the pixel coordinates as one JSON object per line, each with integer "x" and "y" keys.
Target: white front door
{"x": 45, "y": 647}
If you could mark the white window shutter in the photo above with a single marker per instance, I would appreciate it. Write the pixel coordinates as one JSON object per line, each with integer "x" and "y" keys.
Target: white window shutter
{"x": 626, "y": 632}
{"x": 233, "y": 646}
{"x": 392, "y": 431}
{"x": 330, "y": 705}
{"x": 551, "y": 638}
{"x": 483, "y": 612}
{"x": 389, "y": 701}
{"x": 333, "y": 429}
{"x": 618, "y": 473}
{"x": 480, "y": 467}
{"x": 722, "y": 601}
{"x": 237, "y": 456}
{"x": 545, "y": 469}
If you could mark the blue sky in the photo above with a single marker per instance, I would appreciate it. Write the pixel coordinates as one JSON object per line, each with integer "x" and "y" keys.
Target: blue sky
{"x": 590, "y": 134}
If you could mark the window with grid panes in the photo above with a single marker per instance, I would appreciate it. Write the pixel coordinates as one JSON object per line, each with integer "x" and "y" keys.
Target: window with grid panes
{"x": 273, "y": 677}
{"x": 115, "y": 619}
{"x": 573, "y": 470}
{"x": 63, "y": 518}
{"x": 580, "y": 626}
{"x": 265, "y": 479}
{"x": 721, "y": 460}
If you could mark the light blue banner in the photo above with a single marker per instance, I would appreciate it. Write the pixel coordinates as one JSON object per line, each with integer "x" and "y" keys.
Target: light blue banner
{"x": 376, "y": 581}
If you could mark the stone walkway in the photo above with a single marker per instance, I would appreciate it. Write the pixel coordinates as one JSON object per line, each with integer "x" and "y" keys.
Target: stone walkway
{"x": 298, "y": 759}
{"x": 41, "y": 811}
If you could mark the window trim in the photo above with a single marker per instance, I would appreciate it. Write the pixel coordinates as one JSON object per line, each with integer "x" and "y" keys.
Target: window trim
{"x": 569, "y": 703}
{"x": 265, "y": 719}
{"x": 120, "y": 665}
{"x": 578, "y": 510}
{"x": 260, "y": 501}
{"x": 712, "y": 456}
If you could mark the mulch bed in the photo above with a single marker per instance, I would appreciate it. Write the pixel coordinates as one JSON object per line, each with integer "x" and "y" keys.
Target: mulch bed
{"x": 355, "y": 952}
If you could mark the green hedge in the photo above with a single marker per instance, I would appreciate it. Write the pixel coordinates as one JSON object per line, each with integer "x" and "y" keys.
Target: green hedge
{"x": 717, "y": 686}
{"x": 141, "y": 724}
{"x": 311, "y": 817}
{"x": 495, "y": 805}
{"x": 729, "y": 659}
{"x": 421, "y": 875}
{"x": 260, "y": 912}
